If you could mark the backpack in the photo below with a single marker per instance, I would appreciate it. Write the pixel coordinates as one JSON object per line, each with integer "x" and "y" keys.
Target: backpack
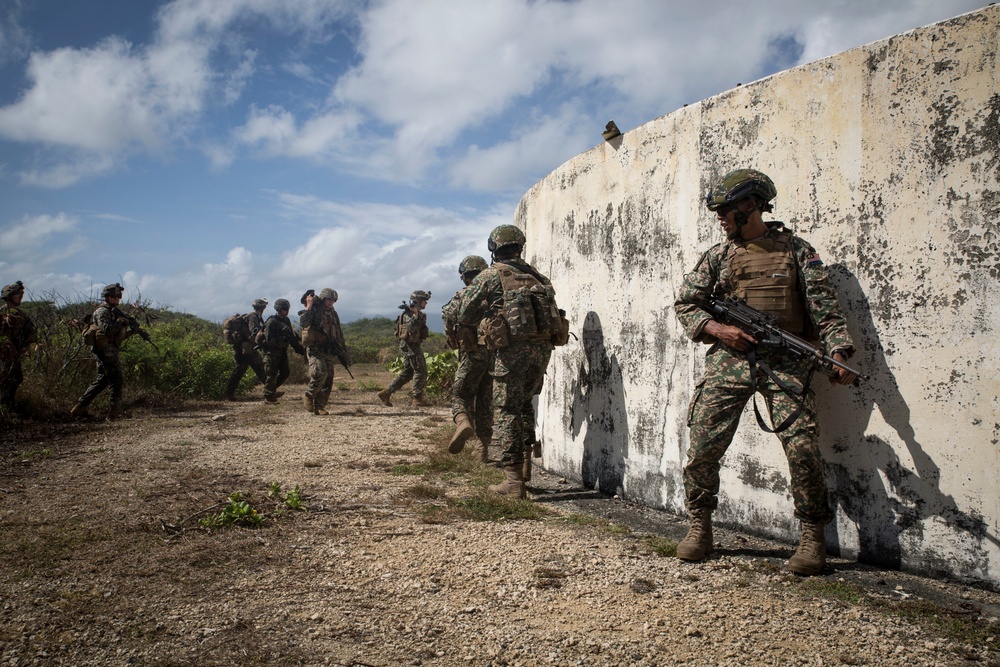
{"x": 236, "y": 328}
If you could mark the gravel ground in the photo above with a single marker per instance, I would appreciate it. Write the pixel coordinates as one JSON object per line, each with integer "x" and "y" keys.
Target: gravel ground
{"x": 103, "y": 561}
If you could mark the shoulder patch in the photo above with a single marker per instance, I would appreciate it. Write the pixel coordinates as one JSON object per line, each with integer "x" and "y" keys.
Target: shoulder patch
{"x": 813, "y": 259}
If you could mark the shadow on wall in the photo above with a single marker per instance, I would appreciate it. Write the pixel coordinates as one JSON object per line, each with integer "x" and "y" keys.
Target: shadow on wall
{"x": 599, "y": 403}
{"x": 882, "y": 514}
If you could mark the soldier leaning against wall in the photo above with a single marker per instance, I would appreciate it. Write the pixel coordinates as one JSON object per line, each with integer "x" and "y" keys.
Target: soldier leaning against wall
{"x": 781, "y": 274}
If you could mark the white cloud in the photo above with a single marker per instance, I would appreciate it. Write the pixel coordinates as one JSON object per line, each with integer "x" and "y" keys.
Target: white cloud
{"x": 275, "y": 132}
{"x": 75, "y": 167}
{"x": 32, "y": 232}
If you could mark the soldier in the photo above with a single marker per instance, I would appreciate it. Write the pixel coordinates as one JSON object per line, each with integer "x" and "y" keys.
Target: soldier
{"x": 109, "y": 328}
{"x": 321, "y": 332}
{"x": 411, "y": 330}
{"x": 277, "y": 336}
{"x": 495, "y": 301}
{"x": 472, "y": 391}
{"x": 780, "y": 273}
{"x": 246, "y": 356}
{"x": 17, "y": 334}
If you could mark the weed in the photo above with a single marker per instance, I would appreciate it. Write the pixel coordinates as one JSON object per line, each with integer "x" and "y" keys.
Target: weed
{"x": 597, "y": 522}
{"x": 369, "y": 385}
{"x": 292, "y": 500}
{"x": 343, "y": 386}
{"x": 33, "y": 454}
{"x": 490, "y": 507}
{"x": 833, "y": 590}
{"x": 410, "y": 469}
{"x": 661, "y": 546}
{"x": 237, "y": 513}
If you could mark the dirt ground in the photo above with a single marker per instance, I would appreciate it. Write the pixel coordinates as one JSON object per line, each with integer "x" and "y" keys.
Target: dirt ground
{"x": 399, "y": 557}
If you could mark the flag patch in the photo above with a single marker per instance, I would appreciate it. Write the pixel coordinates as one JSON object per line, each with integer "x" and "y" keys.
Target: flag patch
{"x": 814, "y": 260}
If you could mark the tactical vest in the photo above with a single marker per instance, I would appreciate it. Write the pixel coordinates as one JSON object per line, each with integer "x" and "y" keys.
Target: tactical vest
{"x": 529, "y": 307}
{"x": 765, "y": 274}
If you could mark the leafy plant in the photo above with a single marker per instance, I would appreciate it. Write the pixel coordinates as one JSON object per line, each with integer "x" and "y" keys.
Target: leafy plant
{"x": 237, "y": 513}
{"x": 292, "y": 500}
{"x": 440, "y": 371}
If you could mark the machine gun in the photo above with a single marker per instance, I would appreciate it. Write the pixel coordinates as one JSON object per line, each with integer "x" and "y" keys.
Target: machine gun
{"x": 135, "y": 327}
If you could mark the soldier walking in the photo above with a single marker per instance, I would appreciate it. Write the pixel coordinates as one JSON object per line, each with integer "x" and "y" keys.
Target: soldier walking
{"x": 502, "y": 296}
{"x": 109, "y": 328}
{"x": 411, "y": 330}
{"x": 472, "y": 390}
{"x": 278, "y": 335}
{"x": 321, "y": 333}
{"x": 17, "y": 334}
{"x": 781, "y": 274}
{"x": 244, "y": 352}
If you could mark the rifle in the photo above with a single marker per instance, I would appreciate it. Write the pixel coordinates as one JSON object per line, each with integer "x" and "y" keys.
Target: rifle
{"x": 340, "y": 352}
{"x": 765, "y": 329}
{"x": 135, "y": 327}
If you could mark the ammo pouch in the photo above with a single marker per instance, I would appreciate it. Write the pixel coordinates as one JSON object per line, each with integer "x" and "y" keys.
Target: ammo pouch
{"x": 90, "y": 336}
{"x": 310, "y": 336}
{"x": 531, "y": 312}
{"x": 468, "y": 340}
{"x": 493, "y": 331}
{"x": 246, "y": 347}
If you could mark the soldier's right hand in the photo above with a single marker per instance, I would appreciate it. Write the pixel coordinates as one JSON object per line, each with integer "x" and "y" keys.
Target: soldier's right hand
{"x": 728, "y": 335}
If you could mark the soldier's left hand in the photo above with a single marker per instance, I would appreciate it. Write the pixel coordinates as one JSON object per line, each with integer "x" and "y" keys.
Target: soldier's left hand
{"x": 844, "y": 376}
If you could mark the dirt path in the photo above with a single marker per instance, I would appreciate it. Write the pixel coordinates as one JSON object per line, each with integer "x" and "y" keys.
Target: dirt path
{"x": 400, "y": 559}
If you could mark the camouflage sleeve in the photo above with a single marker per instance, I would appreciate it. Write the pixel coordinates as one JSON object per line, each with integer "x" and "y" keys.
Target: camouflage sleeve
{"x": 821, "y": 299}
{"x": 338, "y": 331}
{"x": 104, "y": 320}
{"x": 698, "y": 286}
{"x": 29, "y": 334}
{"x": 476, "y": 298}
{"x": 307, "y": 317}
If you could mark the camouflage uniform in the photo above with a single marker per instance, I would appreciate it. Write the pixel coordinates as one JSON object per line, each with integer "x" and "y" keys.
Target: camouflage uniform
{"x": 278, "y": 334}
{"x": 472, "y": 391}
{"x": 326, "y": 323}
{"x": 414, "y": 326}
{"x": 112, "y": 330}
{"x": 518, "y": 369}
{"x": 247, "y": 357}
{"x": 720, "y": 397}
{"x": 17, "y": 334}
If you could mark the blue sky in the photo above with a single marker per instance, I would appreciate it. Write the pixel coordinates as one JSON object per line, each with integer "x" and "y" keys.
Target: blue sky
{"x": 208, "y": 152}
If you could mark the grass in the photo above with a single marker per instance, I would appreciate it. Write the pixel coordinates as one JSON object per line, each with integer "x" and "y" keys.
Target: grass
{"x": 661, "y": 546}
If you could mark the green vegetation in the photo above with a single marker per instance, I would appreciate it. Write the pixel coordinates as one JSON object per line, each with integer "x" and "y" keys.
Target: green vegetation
{"x": 237, "y": 512}
{"x": 440, "y": 371}
{"x": 372, "y": 340}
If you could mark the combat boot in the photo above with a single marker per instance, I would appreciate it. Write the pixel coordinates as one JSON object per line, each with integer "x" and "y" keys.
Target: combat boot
{"x": 526, "y": 465}
{"x": 322, "y": 411}
{"x": 463, "y": 431}
{"x": 513, "y": 485}
{"x": 309, "y": 403}
{"x": 421, "y": 401}
{"x": 115, "y": 412}
{"x": 698, "y": 542}
{"x": 810, "y": 557}
{"x": 384, "y": 396}
{"x": 79, "y": 411}
{"x": 483, "y": 449}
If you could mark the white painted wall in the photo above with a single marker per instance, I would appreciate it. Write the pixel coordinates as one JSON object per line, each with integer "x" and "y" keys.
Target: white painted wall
{"x": 886, "y": 158}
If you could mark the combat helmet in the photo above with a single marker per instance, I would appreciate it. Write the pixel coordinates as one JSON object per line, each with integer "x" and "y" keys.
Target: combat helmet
{"x": 282, "y": 304}
{"x": 420, "y": 295}
{"x": 739, "y": 184}
{"x": 472, "y": 263}
{"x": 259, "y": 303}
{"x": 112, "y": 290}
{"x": 505, "y": 235}
{"x": 12, "y": 289}
{"x": 327, "y": 293}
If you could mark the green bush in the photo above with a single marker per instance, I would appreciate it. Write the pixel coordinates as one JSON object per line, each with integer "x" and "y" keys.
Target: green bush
{"x": 441, "y": 369}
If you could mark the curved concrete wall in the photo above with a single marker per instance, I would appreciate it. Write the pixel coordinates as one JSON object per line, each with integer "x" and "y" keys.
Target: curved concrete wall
{"x": 887, "y": 158}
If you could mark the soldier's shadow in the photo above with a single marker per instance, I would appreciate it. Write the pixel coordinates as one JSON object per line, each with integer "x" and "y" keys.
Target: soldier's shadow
{"x": 599, "y": 406}
{"x": 872, "y": 485}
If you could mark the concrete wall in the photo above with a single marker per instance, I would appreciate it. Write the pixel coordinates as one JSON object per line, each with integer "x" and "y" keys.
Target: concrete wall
{"x": 887, "y": 158}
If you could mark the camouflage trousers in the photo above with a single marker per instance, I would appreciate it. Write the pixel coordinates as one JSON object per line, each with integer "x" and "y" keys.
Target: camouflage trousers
{"x": 472, "y": 392}
{"x": 11, "y": 377}
{"x": 518, "y": 374}
{"x": 109, "y": 374}
{"x": 414, "y": 368}
{"x": 244, "y": 360}
{"x": 320, "y": 375}
{"x": 714, "y": 415}
{"x": 276, "y": 369}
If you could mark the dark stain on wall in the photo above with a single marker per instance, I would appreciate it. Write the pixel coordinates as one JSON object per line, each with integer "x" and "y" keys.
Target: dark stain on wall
{"x": 753, "y": 474}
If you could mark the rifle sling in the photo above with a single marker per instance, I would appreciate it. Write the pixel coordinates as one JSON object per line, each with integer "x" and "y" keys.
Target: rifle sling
{"x": 792, "y": 392}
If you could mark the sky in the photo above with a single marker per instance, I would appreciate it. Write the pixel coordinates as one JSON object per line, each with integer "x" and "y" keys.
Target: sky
{"x": 208, "y": 152}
